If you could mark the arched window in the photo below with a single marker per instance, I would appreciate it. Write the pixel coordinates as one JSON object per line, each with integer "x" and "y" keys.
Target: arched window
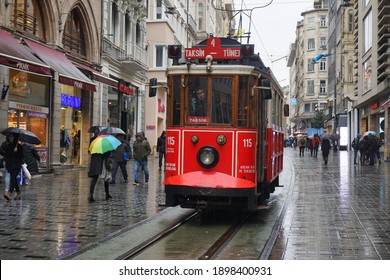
{"x": 200, "y": 16}
{"x": 73, "y": 37}
{"x": 24, "y": 16}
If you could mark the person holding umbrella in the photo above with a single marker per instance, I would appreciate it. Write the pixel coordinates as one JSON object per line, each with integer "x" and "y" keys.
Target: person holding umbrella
{"x": 101, "y": 162}
{"x": 13, "y": 154}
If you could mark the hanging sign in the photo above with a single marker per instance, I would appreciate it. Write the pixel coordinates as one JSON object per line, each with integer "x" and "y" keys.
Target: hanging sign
{"x": 214, "y": 49}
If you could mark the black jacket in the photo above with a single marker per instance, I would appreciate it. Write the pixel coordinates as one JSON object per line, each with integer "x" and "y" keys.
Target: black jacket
{"x": 13, "y": 159}
{"x": 31, "y": 158}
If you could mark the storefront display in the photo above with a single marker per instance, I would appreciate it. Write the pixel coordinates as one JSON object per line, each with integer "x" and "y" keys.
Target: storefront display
{"x": 29, "y": 107}
{"x": 71, "y": 125}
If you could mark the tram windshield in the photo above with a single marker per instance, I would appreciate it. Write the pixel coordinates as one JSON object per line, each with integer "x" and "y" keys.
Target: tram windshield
{"x": 219, "y": 104}
{"x": 199, "y": 100}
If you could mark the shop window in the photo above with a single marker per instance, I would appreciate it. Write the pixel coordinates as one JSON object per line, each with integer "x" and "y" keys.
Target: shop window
{"x": 28, "y": 88}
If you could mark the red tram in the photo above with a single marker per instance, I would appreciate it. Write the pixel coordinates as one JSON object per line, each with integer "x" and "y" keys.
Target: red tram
{"x": 224, "y": 143}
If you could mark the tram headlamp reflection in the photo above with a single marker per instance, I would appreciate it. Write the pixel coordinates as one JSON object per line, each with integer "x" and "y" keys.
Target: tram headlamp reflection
{"x": 208, "y": 157}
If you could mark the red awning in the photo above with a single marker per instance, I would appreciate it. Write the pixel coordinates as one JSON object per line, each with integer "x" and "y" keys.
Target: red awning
{"x": 385, "y": 105}
{"x": 16, "y": 56}
{"x": 97, "y": 76}
{"x": 68, "y": 73}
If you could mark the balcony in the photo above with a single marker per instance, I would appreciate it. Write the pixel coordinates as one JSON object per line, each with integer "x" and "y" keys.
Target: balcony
{"x": 129, "y": 54}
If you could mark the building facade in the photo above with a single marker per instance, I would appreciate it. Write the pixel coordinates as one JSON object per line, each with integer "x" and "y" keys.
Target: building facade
{"x": 66, "y": 66}
{"x": 56, "y": 104}
{"x": 180, "y": 22}
{"x": 308, "y": 62}
{"x": 372, "y": 68}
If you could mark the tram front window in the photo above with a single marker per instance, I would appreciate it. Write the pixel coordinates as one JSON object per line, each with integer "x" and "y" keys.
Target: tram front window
{"x": 221, "y": 110}
{"x": 197, "y": 101}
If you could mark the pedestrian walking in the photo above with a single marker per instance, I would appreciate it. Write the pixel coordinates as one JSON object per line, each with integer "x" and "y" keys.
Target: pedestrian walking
{"x": 302, "y": 145}
{"x": 364, "y": 145}
{"x": 355, "y": 146}
{"x": 12, "y": 151}
{"x": 325, "y": 148}
{"x": 161, "y": 150}
{"x": 100, "y": 166}
{"x": 31, "y": 158}
{"x": 309, "y": 145}
{"x": 316, "y": 144}
{"x": 372, "y": 148}
{"x": 120, "y": 156}
{"x": 141, "y": 150}
{"x": 378, "y": 146}
{"x": 94, "y": 136}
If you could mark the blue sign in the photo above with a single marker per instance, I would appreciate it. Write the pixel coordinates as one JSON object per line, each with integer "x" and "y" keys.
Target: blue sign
{"x": 70, "y": 101}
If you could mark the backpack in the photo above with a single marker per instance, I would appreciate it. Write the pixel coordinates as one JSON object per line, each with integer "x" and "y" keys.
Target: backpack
{"x": 302, "y": 142}
{"x": 316, "y": 142}
{"x": 355, "y": 143}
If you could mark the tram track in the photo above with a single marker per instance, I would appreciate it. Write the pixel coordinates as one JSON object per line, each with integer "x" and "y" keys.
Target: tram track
{"x": 147, "y": 244}
{"x": 214, "y": 243}
{"x": 224, "y": 239}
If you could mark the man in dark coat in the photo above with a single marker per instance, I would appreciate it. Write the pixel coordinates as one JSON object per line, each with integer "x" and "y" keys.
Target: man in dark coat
{"x": 325, "y": 148}
{"x": 161, "y": 149}
{"x": 31, "y": 157}
{"x": 141, "y": 150}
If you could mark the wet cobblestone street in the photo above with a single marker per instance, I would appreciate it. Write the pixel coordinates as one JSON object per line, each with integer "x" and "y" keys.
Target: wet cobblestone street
{"x": 334, "y": 211}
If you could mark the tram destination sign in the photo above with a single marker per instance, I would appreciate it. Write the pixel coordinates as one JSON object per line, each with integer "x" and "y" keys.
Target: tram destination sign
{"x": 213, "y": 48}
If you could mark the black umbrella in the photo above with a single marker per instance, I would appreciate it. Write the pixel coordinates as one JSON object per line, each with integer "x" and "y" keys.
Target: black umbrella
{"x": 94, "y": 128}
{"x": 23, "y": 135}
{"x": 112, "y": 131}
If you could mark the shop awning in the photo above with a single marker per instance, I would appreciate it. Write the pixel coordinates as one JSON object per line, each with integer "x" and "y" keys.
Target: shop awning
{"x": 16, "y": 56}
{"x": 385, "y": 105}
{"x": 67, "y": 72}
{"x": 96, "y": 75}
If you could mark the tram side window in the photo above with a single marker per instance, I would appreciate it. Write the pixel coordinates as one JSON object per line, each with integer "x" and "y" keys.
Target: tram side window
{"x": 197, "y": 101}
{"x": 221, "y": 111}
{"x": 243, "y": 102}
{"x": 176, "y": 101}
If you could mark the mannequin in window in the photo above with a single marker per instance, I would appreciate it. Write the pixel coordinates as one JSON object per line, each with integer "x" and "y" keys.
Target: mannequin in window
{"x": 75, "y": 143}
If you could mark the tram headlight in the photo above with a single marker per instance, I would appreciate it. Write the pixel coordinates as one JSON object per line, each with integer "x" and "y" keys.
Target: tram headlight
{"x": 208, "y": 157}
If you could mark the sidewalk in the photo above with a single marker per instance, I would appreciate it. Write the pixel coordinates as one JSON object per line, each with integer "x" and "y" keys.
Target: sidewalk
{"x": 54, "y": 217}
{"x": 336, "y": 211}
